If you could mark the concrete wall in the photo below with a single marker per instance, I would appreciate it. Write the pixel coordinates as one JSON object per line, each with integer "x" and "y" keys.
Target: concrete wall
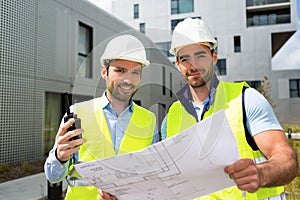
{"x": 39, "y": 55}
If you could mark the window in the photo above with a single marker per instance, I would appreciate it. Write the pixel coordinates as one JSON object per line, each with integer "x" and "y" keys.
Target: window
{"x": 136, "y": 11}
{"x": 85, "y": 45}
{"x": 171, "y": 88}
{"x": 142, "y": 28}
{"x": 174, "y": 22}
{"x": 182, "y": 6}
{"x": 53, "y": 113}
{"x": 163, "y": 80}
{"x": 237, "y": 44}
{"x": 273, "y": 15}
{"x": 165, "y": 47}
{"x": 221, "y": 67}
{"x": 263, "y": 19}
{"x": 294, "y": 88}
{"x": 254, "y": 84}
{"x": 55, "y": 108}
{"x": 279, "y": 39}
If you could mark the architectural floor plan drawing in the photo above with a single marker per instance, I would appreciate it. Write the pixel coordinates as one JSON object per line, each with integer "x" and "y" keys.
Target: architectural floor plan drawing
{"x": 186, "y": 166}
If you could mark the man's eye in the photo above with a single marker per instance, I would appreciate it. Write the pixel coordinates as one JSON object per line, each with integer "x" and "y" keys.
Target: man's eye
{"x": 200, "y": 56}
{"x": 136, "y": 72}
{"x": 120, "y": 70}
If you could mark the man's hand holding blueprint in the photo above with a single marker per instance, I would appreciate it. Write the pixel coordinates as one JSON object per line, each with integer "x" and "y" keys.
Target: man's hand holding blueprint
{"x": 186, "y": 166}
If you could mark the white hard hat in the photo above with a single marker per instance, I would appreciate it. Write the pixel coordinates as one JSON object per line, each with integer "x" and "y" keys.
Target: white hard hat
{"x": 191, "y": 31}
{"x": 125, "y": 47}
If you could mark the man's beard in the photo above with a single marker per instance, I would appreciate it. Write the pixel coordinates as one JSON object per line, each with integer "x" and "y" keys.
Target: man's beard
{"x": 122, "y": 97}
{"x": 201, "y": 82}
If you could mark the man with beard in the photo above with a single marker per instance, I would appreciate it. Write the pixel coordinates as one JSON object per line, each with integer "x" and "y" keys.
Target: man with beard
{"x": 113, "y": 124}
{"x": 267, "y": 160}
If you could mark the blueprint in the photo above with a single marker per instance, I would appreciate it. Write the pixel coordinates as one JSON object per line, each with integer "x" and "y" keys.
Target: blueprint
{"x": 188, "y": 165}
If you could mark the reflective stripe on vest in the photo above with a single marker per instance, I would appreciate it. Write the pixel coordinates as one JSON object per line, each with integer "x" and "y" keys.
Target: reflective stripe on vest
{"x": 138, "y": 135}
{"x": 228, "y": 97}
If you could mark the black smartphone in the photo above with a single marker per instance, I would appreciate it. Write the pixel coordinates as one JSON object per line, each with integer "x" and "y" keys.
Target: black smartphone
{"x": 70, "y": 115}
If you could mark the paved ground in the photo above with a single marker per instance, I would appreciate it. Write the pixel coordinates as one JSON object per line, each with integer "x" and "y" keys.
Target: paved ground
{"x": 28, "y": 188}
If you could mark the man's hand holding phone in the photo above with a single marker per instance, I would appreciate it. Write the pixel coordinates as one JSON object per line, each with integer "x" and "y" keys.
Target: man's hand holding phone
{"x": 68, "y": 140}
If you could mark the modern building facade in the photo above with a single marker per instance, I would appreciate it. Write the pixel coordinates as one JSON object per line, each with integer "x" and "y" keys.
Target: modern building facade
{"x": 249, "y": 32}
{"x": 49, "y": 47}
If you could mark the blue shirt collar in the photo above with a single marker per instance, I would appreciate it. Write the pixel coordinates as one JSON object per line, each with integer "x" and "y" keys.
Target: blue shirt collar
{"x": 185, "y": 97}
{"x": 105, "y": 104}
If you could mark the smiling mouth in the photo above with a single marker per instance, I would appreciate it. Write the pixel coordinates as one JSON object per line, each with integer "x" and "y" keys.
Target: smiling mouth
{"x": 126, "y": 87}
{"x": 196, "y": 73}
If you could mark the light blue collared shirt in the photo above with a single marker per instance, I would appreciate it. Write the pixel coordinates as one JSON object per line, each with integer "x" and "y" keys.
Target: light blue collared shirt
{"x": 259, "y": 114}
{"x": 56, "y": 171}
{"x": 118, "y": 124}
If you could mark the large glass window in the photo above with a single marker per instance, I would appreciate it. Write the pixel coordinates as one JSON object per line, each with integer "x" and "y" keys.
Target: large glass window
{"x": 85, "y": 45}
{"x": 268, "y": 17}
{"x": 294, "y": 88}
{"x": 53, "y": 114}
{"x": 182, "y": 6}
{"x": 136, "y": 12}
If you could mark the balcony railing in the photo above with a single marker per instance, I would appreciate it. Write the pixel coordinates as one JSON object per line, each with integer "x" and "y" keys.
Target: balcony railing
{"x": 264, "y": 2}
{"x": 260, "y": 20}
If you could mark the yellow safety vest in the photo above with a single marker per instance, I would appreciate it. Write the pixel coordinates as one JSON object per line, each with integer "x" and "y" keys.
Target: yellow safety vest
{"x": 228, "y": 97}
{"x": 138, "y": 135}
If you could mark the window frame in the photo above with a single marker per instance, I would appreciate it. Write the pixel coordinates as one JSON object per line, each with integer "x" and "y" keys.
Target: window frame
{"x": 295, "y": 90}
{"x": 142, "y": 27}
{"x": 87, "y": 56}
{"x": 177, "y": 8}
{"x": 136, "y": 11}
{"x": 222, "y": 66}
{"x": 237, "y": 44}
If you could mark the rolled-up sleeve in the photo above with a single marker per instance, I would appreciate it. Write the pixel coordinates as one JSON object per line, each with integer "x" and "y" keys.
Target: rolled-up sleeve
{"x": 55, "y": 171}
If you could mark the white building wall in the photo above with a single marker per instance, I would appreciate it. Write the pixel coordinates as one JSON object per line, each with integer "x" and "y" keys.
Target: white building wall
{"x": 226, "y": 19}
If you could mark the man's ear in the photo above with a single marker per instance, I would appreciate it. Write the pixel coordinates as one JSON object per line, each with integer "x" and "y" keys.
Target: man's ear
{"x": 215, "y": 57}
{"x": 104, "y": 72}
{"x": 177, "y": 65}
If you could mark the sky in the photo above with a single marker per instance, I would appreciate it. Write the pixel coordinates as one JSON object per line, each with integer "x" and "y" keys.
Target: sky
{"x": 104, "y": 4}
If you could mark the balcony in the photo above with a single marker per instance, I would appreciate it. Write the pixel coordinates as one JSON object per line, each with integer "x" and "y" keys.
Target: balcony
{"x": 261, "y": 20}
{"x": 268, "y": 12}
{"x": 264, "y": 2}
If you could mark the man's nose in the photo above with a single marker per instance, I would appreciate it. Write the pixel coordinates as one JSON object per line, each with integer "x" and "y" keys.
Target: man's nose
{"x": 191, "y": 64}
{"x": 127, "y": 77}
